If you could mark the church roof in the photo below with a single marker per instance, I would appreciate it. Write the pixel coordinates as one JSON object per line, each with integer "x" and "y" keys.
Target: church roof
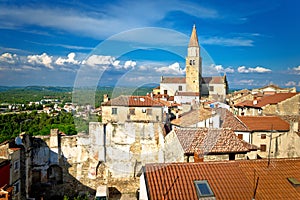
{"x": 172, "y": 79}
{"x": 194, "y": 38}
{"x": 213, "y": 80}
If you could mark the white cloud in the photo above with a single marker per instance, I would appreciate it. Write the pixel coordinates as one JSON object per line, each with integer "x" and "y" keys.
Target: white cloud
{"x": 243, "y": 69}
{"x": 108, "y": 62}
{"x": 99, "y": 61}
{"x": 129, "y": 64}
{"x": 9, "y": 58}
{"x": 220, "y": 68}
{"x": 227, "y": 41}
{"x": 70, "y": 60}
{"x": 297, "y": 68}
{"x": 290, "y": 83}
{"x": 42, "y": 59}
{"x": 246, "y": 82}
{"x": 173, "y": 69}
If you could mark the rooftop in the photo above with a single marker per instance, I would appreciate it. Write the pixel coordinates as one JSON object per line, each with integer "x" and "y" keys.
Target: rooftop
{"x": 227, "y": 179}
{"x": 266, "y": 100}
{"x": 192, "y": 117}
{"x": 210, "y": 141}
{"x": 172, "y": 79}
{"x": 265, "y": 123}
{"x": 133, "y": 101}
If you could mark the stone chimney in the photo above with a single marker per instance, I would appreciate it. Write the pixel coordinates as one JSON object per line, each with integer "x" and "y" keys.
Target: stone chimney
{"x": 254, "y": 101}
{"x": 105, "y": 98}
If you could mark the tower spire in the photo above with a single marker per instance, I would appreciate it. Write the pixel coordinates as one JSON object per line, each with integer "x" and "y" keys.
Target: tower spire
{"x": 194, "y": 38}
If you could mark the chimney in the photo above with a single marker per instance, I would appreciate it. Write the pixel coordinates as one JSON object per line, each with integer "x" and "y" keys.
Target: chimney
{"x": 161, "y": 78}
{"x": 254, "y": 101}
{"x": 177, "y": 115}
{"x": 151, "y": 95}
{"x": 105, "y": 98}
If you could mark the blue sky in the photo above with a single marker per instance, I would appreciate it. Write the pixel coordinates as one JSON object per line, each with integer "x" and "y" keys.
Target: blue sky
{"x": 61, "y": 43}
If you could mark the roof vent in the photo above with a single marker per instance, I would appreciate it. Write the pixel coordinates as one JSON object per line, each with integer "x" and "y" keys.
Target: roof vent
{"x": 294, "y": 181}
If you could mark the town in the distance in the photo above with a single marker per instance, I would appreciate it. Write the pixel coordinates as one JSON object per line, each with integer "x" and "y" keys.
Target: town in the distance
{"x": 188, "y": 138}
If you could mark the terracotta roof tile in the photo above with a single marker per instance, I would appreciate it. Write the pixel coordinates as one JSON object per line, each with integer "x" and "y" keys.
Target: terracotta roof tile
{"x": 133, "y": 101}
{"x": 231, "y": 121}
{"x": 227, "y": 179}
{"x": 192, "y": 117}
{"x": 173, "y": 79}
{"x": 211, "y": 141}
{"x": 213, "y": 80}
{"x": 265, "y": 123}
{"x": 265, "y": 100}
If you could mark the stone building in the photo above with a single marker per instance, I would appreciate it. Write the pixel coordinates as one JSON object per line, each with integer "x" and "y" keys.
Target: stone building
{"x": 203, "y": 144}
{"x": 272, "y": 135}
{"x": 194, "y": 83}
{"x": 276, "y": 104}
{"x": 133, "y": 108}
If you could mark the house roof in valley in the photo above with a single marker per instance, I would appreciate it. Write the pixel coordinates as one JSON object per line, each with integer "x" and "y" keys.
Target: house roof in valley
{"x": 227, "y": 179}
{"x": 266, "y": 100}
{"x": 265, "y": 123}
{"x": 133, "y": 101}
{"x": 192, "y": 117}
{"x": 211, "y": 141}
{"x": 165, "y": 79}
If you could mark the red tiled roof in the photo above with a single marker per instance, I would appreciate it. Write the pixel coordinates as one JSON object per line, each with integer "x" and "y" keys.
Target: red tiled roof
{"x": 133, "y": 101}
{"x": 211, "y": 141}
{"x": 231, "y": 121}
{"x": 173, "y": 79}
{"x": 227, "y": 179}
{"x": 265, "y": 100}
{"x": 213, "y": 80}
{"x": 265, "y": 123}
{"x": 192, "y": 117}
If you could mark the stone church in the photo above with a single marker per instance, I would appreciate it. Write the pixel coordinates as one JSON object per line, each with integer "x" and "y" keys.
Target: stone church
{"x": 193, "y": 86}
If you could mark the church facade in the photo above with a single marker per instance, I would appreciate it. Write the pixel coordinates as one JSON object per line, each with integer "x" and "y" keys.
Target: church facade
{"x": 194, "y": 86}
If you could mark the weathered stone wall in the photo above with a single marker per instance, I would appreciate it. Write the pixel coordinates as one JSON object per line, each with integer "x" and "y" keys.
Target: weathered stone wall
{"x": 152, "y": 114}
{"x": 283, "y": 144}
{"x": 287, "y": 107}
{"x": 173, "y": 149}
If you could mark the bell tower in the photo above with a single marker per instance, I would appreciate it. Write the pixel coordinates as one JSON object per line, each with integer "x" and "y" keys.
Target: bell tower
{"x": 193, "y": 64}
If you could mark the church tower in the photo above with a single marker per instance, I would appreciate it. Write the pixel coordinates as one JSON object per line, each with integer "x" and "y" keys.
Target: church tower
{"x": 193, "y": 65}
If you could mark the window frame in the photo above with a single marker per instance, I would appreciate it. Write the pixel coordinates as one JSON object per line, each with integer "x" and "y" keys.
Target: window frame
{"x": 114, "y": 111}
{"x": 199, "y": 192}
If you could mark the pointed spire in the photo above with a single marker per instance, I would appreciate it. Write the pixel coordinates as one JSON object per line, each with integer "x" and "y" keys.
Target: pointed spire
{"x": 194, "y": 38}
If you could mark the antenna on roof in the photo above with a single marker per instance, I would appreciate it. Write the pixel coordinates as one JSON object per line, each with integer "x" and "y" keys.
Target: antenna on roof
{"x": 255, "y": 189}
{"x": 269, "y": 153}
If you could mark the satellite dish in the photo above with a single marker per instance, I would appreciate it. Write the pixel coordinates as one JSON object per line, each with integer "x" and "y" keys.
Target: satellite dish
{"x": 18, "y": 141}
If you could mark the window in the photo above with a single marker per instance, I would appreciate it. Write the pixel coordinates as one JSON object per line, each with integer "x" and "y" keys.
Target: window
{"x": 165, "y": 91}
{"x": 263, "y": 136}
{"x": 17, "y": 187}
{"x": 263, "y": 147}
{"x": 16, "y": 165}
{"x": 240, "y": 136}
{"x": 132, "y": 111}
{"x": 203, "y": 189}
{"x": 211, "y": 88}
{"x": 114, "y": 111}
{"x": 180, "y": 88}
{"x": 143, "y": 110}
{"x": 191, "y": 62}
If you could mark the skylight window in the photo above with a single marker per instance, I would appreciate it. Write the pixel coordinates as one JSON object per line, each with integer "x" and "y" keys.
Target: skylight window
{"x": 294, "y": 181}
{"x": 203, "y": 189}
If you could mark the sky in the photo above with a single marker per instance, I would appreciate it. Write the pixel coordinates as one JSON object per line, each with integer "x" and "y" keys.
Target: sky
{"x": 134, "y": 43}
